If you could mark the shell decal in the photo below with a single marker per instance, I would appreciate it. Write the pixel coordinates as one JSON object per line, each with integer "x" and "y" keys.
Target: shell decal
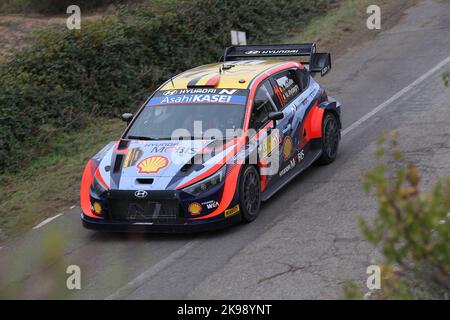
{"x": 195, "y": 208}
{"x": 152, "y": 164}
{"x": 288, "y": 146}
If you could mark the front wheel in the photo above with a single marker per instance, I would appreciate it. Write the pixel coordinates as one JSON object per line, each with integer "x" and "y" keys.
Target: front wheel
{"x": 249, "y": 194}
{"x": 330, "y": 139}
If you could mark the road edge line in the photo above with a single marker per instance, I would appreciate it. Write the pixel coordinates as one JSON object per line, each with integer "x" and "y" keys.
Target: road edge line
{"x": 396, "y": 96}
{"x": 43, "y": 223}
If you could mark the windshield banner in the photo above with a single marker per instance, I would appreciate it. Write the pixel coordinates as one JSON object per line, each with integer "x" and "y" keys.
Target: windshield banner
{"x": 199, "y": 96}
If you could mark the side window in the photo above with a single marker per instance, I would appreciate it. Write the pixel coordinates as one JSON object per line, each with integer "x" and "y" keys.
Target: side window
{"x": 263, "y": 104}
{"x": 303, "y": 76}
{"x": 287, "y": 86}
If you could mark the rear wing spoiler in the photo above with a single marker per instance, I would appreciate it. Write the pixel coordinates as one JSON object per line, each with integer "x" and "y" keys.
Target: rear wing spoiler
{"x": 318, "y": 62}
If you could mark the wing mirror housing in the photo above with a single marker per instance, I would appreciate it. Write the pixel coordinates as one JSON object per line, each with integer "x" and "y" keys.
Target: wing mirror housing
{"x": 276, "y": 115}
{"x": 127, "y": 117}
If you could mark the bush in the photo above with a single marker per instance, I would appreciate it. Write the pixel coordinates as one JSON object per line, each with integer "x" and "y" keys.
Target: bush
{"x": 111, "y": 65}
{"x": 412, "y": 229}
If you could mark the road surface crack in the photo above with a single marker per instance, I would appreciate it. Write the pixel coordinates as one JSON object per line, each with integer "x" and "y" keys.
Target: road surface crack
{"x": 291, "y": 269}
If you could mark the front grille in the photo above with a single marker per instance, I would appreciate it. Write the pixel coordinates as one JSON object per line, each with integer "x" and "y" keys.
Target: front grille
{"x": 127, "y": 208}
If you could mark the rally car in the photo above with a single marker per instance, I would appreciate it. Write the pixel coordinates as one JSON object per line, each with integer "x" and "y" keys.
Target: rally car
{"x": 213, "y": 142}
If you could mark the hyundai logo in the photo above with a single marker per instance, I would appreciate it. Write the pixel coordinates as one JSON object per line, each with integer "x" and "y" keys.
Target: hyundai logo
{"x": 170, "y": 92}
{"x": 140, "y": 194}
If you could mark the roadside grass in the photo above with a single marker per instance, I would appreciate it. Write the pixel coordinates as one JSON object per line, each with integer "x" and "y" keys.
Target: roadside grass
{"x": 9, "y": 24}
{"x": 51, "y": 183}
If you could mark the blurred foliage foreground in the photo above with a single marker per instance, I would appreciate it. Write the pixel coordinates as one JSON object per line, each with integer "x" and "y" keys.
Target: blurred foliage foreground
{"x": 412, "y": 229}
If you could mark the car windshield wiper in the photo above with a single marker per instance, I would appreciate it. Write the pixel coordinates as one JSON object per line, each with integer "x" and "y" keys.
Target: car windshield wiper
{"x": 140, "y": 138}
{"x": 148, "y": 138}
{"x": 165, "y": 138}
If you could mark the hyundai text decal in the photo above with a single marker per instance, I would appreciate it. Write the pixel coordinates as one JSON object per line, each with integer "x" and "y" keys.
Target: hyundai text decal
{"x": 270, "y": 52}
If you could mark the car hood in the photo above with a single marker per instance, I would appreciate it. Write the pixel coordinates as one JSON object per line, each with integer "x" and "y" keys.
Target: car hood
{"x": 157, "y": 165}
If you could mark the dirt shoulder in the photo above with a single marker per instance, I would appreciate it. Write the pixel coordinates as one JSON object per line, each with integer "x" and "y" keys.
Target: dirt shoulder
{"x": 15, "y": 30}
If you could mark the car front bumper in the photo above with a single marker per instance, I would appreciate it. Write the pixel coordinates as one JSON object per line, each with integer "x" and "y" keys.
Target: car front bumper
{"x": 158, "y": 227}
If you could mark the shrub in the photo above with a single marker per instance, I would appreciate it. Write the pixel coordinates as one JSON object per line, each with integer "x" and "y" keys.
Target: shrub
{"x": 412, "y": 229}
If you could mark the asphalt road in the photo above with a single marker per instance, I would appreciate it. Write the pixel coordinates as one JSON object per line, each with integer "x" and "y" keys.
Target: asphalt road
{"x": 305, "y": 243}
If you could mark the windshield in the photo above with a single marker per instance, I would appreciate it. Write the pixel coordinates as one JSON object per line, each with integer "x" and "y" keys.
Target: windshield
{"x": 189, "y": 121}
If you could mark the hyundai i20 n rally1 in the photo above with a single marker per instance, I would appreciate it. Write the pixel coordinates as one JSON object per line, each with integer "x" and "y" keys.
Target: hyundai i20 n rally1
{"x": 213, "y": 142}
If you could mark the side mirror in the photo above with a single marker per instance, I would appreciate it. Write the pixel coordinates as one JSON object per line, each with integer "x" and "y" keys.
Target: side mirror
{"x": 278, "y": 115}
{"x": 127, "y": 117}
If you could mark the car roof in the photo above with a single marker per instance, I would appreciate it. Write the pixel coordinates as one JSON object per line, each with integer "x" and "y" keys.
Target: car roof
{"x": 238, "y": 76}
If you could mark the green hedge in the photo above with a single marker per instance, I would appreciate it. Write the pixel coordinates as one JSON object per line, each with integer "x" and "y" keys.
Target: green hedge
{"x": 109, "y": 66}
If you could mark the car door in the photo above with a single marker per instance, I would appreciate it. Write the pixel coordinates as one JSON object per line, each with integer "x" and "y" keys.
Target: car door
{"x": 287, "y": 90}
{"x": 265, "y": 140}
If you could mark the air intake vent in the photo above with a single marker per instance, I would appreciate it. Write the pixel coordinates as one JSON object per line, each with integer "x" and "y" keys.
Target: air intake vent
{"x": 123, "y": 144}
{"x": 118, "y": 163}
{"x": 144, "y": 181}
{"x": 190, "y": 165}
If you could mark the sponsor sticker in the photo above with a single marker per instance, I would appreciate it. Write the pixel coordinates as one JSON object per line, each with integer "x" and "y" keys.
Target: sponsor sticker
{"x": 152, "y": 164}
{"x": 170, "y": 147}
{"x": 212, "y": 204}
{"x": 300, "y": 156}
{"x": 202, "y": 91}
{"x": 288, "y": 168}
{"x": 132, "y": 157}
{"x": 288, "y": 87}
{"x": 288, "y": 146}
{"x": 195, "y": 208}
{"x": 232, "y": 211}
{"x": 199, "y": 96}
{"x": 269, "y": 144}
{"x": 293, "y": 163}
{"x": 270, "y": 52}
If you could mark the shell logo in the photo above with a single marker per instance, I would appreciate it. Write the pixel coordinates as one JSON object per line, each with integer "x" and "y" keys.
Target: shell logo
{"x": 195, "y": 208}
{"x": 288, "y": 146}
{"x": 152, "y": 164}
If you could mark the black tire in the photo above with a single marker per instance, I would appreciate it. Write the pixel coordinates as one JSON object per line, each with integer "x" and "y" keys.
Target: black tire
{"x": 249, "y": 194}
{"x": 331, "y": 135}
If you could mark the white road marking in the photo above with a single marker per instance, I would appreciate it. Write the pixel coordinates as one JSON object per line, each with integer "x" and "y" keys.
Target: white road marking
{"x": 140, "y": 280}
{"x": 47, "y": 221}
{"x": 50, "y": 219}
{"x": 395, "y": 97}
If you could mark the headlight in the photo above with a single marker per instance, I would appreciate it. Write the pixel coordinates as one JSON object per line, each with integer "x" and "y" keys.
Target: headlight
{"x": 97, "y": 187}
{"x": 206, "y": 184}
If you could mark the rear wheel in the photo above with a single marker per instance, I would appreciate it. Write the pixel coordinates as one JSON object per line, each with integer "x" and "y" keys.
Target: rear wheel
{"x": 330, "y": 139}
{"x": 249, "y": 194}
